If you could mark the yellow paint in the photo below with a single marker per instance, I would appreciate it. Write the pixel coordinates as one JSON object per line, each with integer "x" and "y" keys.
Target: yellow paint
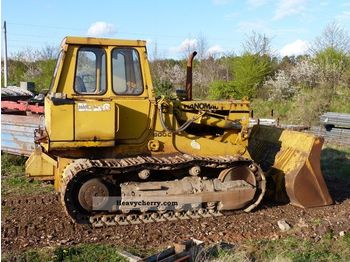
{"x": 91, "y": 114}
{"x": 109, "y": 125}
{"x": 296, "y": 164}
{"x": 40, "y": 166}
{"x": 59, "y": 121}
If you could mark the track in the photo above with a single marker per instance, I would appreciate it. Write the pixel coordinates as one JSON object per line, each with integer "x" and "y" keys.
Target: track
{"x": 77, "y": 171}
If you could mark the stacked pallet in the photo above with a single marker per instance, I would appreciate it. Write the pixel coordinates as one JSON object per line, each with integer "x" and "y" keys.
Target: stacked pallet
{"x": 335, "y": 128}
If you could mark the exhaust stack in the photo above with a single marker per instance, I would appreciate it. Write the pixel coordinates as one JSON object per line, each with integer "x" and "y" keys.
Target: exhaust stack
{"x": 189, "y": 76}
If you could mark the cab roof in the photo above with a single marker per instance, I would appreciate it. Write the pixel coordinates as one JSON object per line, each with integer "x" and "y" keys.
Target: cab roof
{"x": 102, "y": 41}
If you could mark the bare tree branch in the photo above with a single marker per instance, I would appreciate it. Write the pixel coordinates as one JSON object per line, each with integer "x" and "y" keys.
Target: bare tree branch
{"x": 257, "y": 43}
{"x": 333, "y": 36}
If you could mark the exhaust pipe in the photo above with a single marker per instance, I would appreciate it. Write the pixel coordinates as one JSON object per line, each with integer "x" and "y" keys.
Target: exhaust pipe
{"x": 189, "y": 76}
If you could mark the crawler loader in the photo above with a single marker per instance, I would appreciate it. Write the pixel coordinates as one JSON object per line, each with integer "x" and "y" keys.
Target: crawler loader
{"x": 118, "y": 154}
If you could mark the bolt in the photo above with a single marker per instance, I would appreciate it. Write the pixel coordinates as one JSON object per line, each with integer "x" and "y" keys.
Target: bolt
{"x": 195, "y": 171}
{"x": 253, "y": 168}
{"x": 144, "y": 174}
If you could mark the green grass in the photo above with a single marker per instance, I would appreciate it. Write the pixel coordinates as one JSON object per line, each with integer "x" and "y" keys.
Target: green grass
{"x": 340, "y": 101}
{"x": 284, "y": 249}
{"x": 82, "y": 252}
{"x": 262, "y": 109}
{"x": 289, "y": 249}
{"x": 142, "y": 252}
{"x": 335, "y": 162}
{"x": 13, "y": 180}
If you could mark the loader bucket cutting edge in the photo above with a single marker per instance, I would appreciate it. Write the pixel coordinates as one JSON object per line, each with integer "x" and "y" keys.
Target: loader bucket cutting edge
{"x": 292, "y": 157}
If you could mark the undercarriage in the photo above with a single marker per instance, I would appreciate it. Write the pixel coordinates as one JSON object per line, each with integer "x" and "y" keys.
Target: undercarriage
{"x": 153, "y": 189}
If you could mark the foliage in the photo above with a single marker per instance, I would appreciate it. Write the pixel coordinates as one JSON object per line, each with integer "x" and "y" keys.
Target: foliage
{"x": 332, "y": 64}
{"x": 33, "y": 66}
{"x": 281, "y": 109}
{"x": 280, "y": 86}
{"x": 305, "y": 107}
{"x": 309, "y": 104}
{"x": 46, "y": 69}
{"x": 163, "y": 87}
{"x": 249, "y": 72}
{"x": 340, "y": 100}
{"x": 305, "y": 73}
{"x": 16, "y": 72}
{"x": 223, "y": 90}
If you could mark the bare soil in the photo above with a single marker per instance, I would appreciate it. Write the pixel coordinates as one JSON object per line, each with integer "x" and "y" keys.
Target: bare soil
{"x": 39, "y": 221}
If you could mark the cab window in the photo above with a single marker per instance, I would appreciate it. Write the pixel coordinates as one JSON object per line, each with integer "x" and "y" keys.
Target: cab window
{"x": 90, "y": 75}
{"x": 58, "y": 63}
{"x": 126, "y": 69}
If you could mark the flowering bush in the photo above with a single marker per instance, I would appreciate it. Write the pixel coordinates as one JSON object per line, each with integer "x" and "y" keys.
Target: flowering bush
{"x": 279, "y": 87}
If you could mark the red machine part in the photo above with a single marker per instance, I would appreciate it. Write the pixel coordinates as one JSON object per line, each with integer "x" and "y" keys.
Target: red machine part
{"x": 21, "y": 106}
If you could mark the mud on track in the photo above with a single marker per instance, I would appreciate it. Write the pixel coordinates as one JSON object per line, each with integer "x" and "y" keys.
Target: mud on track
{"x": 39, "y": 221}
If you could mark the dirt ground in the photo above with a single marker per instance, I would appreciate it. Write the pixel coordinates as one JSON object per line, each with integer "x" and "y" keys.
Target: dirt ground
{"x": 39, "y": 221}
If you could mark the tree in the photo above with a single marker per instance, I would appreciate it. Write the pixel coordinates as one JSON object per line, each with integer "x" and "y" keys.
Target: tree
{"x": 249, "y": 72}
{"x": 333, "y": 64}
{"x": 202, "y": 47}
{"x": 333, "y": 36}
{"x": 34, "y": 66}
{"x": 258, "y": 44}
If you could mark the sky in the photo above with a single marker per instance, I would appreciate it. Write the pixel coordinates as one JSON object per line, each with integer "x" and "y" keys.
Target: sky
{"x": 171, "y": 26}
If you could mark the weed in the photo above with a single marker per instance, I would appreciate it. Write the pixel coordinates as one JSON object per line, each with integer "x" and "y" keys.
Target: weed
{"x": 316, "y": 221}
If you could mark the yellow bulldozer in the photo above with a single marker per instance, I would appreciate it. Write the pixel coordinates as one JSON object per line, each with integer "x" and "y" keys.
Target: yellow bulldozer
{"x": 118, "y": 154}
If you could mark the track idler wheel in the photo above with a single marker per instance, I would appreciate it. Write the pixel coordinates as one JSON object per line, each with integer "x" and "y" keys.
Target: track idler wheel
{"x": 93, "y": 195}
{"x": 252, "y": 178}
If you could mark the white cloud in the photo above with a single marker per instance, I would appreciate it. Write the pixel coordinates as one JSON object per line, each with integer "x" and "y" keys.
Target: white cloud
{"x": 289, "y": 7}
{"x": 101, "y": 29}
{"x": 258, "y": 26}
{"x": 215, "y": 50}
{"x": 345, "y": 15}
{"x": 220, "y": 2}
{"x": 257, "y": 3}
{"x": 231, "y": 16}
{"x": 186, "y": 45}
{"x": 298, "y": 47}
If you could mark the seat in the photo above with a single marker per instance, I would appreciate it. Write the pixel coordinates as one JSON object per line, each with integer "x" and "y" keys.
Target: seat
{"x": 79, "y": 85}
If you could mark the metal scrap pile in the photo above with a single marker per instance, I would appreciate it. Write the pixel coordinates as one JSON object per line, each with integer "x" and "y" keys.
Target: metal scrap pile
{"x": 15, "y": 93}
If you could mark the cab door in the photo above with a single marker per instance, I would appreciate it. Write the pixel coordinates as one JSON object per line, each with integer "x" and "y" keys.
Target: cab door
{"x": 94, "y": 117}
{"x": 128, "y": 84}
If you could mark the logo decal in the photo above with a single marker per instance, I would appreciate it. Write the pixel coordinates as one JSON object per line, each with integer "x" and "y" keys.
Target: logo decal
{"x": 84, "y": 107}
{"x": 201, "y": 106}
{"x": 195, "y": 145}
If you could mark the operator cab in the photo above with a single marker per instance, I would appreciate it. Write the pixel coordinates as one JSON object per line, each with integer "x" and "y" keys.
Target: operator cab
{"x": 100, "y": 94}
